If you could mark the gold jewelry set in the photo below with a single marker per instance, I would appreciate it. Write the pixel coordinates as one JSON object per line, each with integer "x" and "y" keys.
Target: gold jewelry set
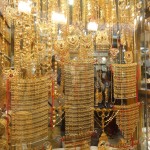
{"x": 82, "y": 46}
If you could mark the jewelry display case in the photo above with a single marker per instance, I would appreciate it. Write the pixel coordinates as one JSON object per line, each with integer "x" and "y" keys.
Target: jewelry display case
{"x": 75, "y": 74}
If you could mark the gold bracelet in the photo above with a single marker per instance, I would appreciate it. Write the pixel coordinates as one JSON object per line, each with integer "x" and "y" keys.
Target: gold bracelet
{"x": 124, "y": 96}
{"x": 124, "y": 65}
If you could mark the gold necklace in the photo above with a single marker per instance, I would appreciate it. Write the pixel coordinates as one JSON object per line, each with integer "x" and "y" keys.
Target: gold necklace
{"x": 73, "y": 42}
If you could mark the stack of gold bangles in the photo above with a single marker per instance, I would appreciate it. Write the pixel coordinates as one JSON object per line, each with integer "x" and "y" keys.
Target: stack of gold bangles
{"x": 29, "y": 110}
{"x": 78, "y": 141}
{"x": 124, "y": 80}
{"x": 3, "y": 144}
{"x": 79, "y": 95}
{"x": 3, "y": 141}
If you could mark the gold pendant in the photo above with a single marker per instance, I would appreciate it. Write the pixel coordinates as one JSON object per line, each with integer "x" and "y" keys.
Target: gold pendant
{"x": 102, "y": 40}
{"x": 114, "y": 52}
{"x": 128, "y": 56}
{"x": 73, "y": 42}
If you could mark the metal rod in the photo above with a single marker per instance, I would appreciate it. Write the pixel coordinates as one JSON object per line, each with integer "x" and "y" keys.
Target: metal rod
{"x": 5, "y": 56}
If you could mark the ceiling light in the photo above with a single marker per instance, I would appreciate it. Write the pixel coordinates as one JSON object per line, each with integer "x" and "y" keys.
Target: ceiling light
{"x": 104, "y": 59}
{"x": 59, "y": 18}
{"x": 92, "y": 26}
{"x": 24, "y": 6}
{"x": 71, "y": 2}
